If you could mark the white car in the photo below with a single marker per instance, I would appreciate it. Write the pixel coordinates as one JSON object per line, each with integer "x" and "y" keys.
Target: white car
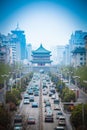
{"x": 26, "y": 101}
{"x": 53, "y": 97}
{"x": 62, "y": 121}
{"x": 57, "y": 107}
{"x": 45, "y": 93}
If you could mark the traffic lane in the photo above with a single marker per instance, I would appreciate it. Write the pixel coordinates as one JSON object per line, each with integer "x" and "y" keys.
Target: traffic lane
{"x": 27, "y": 110}
{"x": 49, "y": 125}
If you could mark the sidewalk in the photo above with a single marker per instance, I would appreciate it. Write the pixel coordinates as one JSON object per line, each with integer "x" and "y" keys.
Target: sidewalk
{"x": 73, "y": 85}
{"x": 76, "y": 87}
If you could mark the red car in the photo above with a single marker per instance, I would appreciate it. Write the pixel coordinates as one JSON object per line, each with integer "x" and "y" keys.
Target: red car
{"x": 31, "y": 120}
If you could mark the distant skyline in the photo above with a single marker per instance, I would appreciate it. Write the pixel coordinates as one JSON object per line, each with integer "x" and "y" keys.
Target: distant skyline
{"x": 50, "y": 22}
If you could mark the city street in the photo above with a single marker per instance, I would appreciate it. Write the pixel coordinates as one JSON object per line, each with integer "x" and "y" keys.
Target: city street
{"x": 39, "y": 113}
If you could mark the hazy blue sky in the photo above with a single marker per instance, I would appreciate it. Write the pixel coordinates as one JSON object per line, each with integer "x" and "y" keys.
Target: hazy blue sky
{"x": 49, "y": 22}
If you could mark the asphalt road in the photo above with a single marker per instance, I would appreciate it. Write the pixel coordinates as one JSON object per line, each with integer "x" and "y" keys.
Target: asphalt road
{"x": 39, "y": 113}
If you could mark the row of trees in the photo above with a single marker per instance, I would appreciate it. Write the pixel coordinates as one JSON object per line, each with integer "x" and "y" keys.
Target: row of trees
{"x": 81, "y": 72}
{"x": 78, "y": 116}
{"x": 65, "y": 93}
{"x": 13, "y": 96}
{"x": 5, "y": 119}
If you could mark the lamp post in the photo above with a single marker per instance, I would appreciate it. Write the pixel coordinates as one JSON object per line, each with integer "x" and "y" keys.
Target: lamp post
{"x": 11, "y": 83}
{"x": 76, "y": 88}
{"x": 4, "y": 76}
{"x": 70, "y": 72}
{"x": 20, "y": 76}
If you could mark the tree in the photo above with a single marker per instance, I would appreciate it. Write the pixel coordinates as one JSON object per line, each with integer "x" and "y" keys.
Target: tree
{"x": 13, "y": 96}
{"x": 4, "y": 69}
{"x": 5, "y": 119}
{"x": 77, "y": 116}
{"x": 10, "y": 97}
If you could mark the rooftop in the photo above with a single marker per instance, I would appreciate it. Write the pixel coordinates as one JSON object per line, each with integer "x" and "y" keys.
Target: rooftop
{"x": 79, "y": 50}
{"x": 41, "y": 49}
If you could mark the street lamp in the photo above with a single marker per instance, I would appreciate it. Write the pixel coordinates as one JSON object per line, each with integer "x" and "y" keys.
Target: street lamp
{"x": 70, "y": 72}
{"x": 4, "y": 76}
{"x": 76, "y": 78}
{"x": 11, "y": 80}
{"x": 76, "y": 88}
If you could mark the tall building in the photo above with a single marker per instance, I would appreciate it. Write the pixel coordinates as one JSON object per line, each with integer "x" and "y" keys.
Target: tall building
{"x": 16, "y": 43}
{"x": 4, "y": 54}
{"x": 76, "y": 41}
{"x": 60, "y": 51}
{"x": 79, "y": 57}
{"x": 29, "y": 52}
{"x": 66, "y": 59}
{"x": 85, "y": 40}
{"x": 19, "y": 38}
{"x": 4, "y": 50}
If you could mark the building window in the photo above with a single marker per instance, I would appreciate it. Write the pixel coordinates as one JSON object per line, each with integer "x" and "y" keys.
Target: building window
{"x": 81, "y": 58}
{"x": 81, "y": 63}
{"x": 81, "y": 54}
{"x": 84, "y": 63}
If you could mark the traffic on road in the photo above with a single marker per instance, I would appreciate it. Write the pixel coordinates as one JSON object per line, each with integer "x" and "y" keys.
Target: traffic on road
{"x": 41, "y": 107}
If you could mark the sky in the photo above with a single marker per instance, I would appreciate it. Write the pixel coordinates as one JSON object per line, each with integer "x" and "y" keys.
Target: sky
{"x": 50, "y": 22}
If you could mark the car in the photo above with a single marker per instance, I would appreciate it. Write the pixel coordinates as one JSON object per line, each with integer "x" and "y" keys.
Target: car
{"x": 59, "y": 128}
{"x": 18, "y": 118}
{"x": 57, "y": 107}
{"x": 31, "y": 98}
{"x": 34, "y": 104}
{"x": 50, "y": 94}
{"x": 49, "y": 112}
{"x": 53, "y": 96}
{"x": 58, "y": 114}
{"x": 26, "y": 101}
{"x": 26, "y": 96}
{"x": 45, "y": 92}
{"x": 31, "y": 120}
{"x": 47, "y": 108}
{"x": 56, "y": 101}
{"x": 18, "y": 126}
{"x": 62, "y": 121}
{"x": 49, "y": 118}
{"x": 47, "y": 104}
{"x": 30, "y": 92}
{"x": 46, "y": 100}
{"x": 52, "y": 90}
{"x": 18, "y": 122}
{"x": 36, "y": 93}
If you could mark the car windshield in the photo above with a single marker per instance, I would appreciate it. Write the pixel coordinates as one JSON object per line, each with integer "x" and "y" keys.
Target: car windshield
{"x": 31, "y": 118}
{"x": 62, "y": 119}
